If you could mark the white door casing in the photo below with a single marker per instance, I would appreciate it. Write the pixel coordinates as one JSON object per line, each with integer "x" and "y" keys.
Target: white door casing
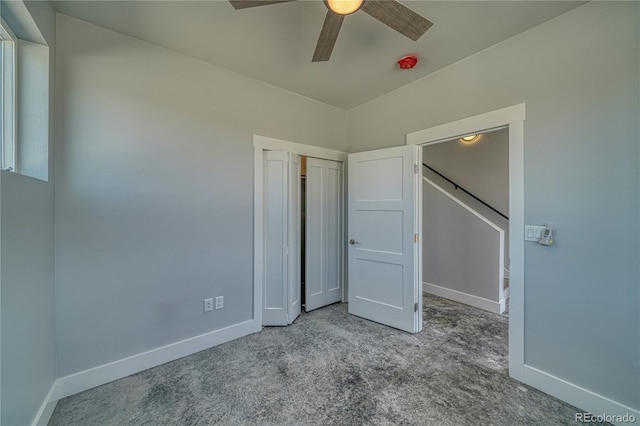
{"x": 514, "y": 117}
{"x": 384, "y": 192}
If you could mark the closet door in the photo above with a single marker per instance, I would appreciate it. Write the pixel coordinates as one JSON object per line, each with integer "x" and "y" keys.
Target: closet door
{"x": 333, "y": 232}
{"x": 314, "y": 219}
{"x": 323, "y": 269}
{"x": 294, "y": 238}
{"x": 281, "y": 198}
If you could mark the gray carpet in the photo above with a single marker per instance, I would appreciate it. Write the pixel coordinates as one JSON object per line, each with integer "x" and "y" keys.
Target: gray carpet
{"x": 333, "y": 368}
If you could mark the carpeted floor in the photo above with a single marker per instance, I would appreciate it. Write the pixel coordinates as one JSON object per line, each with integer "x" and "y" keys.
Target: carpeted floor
{"x": 327, "y": 368}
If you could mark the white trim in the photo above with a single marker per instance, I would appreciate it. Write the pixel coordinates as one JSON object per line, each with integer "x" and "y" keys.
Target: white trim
{"x": 8, "y": 102}
{"x": 502, "y": 299}
{"x": 87, "y": 379}
{"x": 271, "y": 144}
{"x": 477, "y": 124}
{"x": 466, "y": 298}
{"x": 343, "y": 233}
{"x": 47, "y": 407}
{"x": 466, "y": 207}
{"x": 512, "y": 117}
{"x": 417, "y": 226}
{"x": 260, "y": 144}
{"x": 580, "y": 397}
{"x": 258, "y": 232}
{"x": 516, "y": 249}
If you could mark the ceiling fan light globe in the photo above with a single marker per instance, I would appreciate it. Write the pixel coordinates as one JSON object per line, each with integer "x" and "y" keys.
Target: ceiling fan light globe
{"x": 344, "y": 7}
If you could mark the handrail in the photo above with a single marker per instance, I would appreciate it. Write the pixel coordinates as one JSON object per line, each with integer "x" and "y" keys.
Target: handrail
{"x": 467, "y": 207}
{"x": 464, "y": 190}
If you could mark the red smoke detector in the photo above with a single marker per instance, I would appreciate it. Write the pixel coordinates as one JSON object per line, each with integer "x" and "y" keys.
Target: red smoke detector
{"x": 407, "y": 62}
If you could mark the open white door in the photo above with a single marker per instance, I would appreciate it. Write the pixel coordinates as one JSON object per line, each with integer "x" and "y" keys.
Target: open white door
{"x": 384, "y": 192}
{"x": 323, "y": 251}
{"x": 281, "y": 289}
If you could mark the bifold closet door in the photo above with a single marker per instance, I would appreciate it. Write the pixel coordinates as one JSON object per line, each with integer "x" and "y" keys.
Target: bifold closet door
{"x": 281, "y": 198}
{"x": 323, "y": 269}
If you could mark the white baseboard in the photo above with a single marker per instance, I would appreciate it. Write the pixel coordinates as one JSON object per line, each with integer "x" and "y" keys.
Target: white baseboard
{"x": 46, "y": 409}
{"x": 87, "y": 379}
{"x": 468, "y": 299}
{"x": 583, "y": 399}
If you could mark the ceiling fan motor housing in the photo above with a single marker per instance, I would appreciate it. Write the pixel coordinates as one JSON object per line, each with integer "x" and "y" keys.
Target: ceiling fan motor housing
{"x": 390, "y": 12}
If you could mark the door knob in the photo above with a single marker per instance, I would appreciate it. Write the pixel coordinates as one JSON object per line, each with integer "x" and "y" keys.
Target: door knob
{"x": 353, "y": 242}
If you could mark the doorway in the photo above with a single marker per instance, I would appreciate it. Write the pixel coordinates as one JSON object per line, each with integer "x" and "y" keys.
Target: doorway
{"x": 278, "y": 258}
{"x": 512, "y": 118}
{"x": 400, "y": 169}
{"x": 465, "y": 219}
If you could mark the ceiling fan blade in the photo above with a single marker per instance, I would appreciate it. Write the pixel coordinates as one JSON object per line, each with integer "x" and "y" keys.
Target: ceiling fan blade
{"x": 243, "y": 4}
{"x": 398, "y": 16}
{"x": 328, "y": 36}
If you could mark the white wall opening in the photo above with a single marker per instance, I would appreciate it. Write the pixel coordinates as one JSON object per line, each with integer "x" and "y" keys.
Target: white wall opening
{"x": 465, "y": 223}
{"x": 512, "y": 117}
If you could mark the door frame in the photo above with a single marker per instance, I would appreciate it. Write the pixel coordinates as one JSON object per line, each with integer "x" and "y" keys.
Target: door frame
{"x": 261, "y": 144}
{"x": 513, "y": 118}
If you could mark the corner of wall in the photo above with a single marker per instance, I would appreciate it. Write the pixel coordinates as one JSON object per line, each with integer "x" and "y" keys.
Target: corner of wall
{"x": 26, "y": 235}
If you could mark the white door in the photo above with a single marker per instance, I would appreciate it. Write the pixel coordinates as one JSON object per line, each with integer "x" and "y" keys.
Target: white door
{"x": 384, "y": 192}
{"x": 323, "y": 233}
{"x": 281, "y": 197}
{"x": 294, "y": 237}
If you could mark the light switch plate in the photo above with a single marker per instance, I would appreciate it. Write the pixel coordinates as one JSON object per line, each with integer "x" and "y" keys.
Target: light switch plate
{"x": 533, "y": 232}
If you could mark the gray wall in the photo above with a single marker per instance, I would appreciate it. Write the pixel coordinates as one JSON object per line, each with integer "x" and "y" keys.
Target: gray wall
{"x": 460, "y": 251}
{"x": 482, "y": 168}
{"x": 27, "y": 267}
{"x": 154, "y": 191}
{"x": 578, "y": 75}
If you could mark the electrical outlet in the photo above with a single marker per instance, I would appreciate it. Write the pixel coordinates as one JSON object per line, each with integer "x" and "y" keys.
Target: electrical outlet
{"x": 219, "y": 302}
{"x": 208, "y": 304}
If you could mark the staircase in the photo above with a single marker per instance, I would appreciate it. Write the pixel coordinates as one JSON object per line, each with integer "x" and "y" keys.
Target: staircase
{"x": 465, "y": 245}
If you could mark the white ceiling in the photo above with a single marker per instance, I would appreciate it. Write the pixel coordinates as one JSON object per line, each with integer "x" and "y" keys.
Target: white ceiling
{"x": 275, "y": 43}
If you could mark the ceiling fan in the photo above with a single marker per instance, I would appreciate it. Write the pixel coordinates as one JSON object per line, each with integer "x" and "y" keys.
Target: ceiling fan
{"x": 389, "y": 12}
